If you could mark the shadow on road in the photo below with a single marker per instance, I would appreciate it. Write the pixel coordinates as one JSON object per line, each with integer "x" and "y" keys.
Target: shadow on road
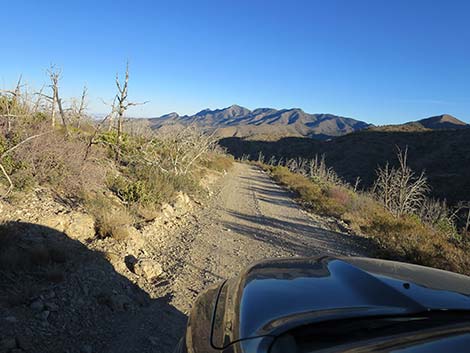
{"x": 267, "y": 191}
{"x": 298, "y": 237}
{"x": 60, "y": 296}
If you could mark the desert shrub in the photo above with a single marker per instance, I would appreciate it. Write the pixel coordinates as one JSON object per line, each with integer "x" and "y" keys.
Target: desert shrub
{"x": 57, "y": 160}
{"x": 400, "y": 189}
{"x": 127, "y": 190}
{"x": 111, "y": 218}
{"x": 148, "y": 188}
{"x": 405, "y": 238}
{"x": 410, "y": 240}
{"x": 218, "y": 162}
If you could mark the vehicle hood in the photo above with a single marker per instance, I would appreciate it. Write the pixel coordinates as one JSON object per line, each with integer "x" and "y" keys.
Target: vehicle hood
{"x": 273, "y": 296}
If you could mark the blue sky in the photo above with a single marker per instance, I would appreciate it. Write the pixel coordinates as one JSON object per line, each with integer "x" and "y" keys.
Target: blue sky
{"x": 380, "y": 61}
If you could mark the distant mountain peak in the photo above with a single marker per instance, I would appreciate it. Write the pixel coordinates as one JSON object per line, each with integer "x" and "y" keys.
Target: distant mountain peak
{"x": 437, "y": 122}
{"x": 237, "y": 109}
{"x": 443, "y": 121}
{"x": 172, "y": 115}
{"x": 236, "y": 106}
{"x": 203, "y": 112}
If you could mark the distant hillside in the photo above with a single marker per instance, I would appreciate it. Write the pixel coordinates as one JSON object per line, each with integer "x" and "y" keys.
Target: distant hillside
{"x": 443, "y": 154}
{"x": 263, "y": 123}
{"x": 439, "y": 122}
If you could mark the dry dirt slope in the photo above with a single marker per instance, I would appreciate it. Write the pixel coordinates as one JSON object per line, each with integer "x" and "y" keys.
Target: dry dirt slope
{"x": 250, "y": 218}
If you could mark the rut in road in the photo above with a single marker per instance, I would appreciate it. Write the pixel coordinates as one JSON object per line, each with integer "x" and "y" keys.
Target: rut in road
{"x": 251, "y": 218}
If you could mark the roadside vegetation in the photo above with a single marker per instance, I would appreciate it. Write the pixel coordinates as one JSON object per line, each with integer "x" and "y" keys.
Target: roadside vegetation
{"x": 116, "y": 168}
{"x": 396, "y": 213}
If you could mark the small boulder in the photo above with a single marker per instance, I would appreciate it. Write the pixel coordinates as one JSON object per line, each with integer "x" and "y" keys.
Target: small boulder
{"x": 148, "y": 269}
{"x": 81, "y": 226}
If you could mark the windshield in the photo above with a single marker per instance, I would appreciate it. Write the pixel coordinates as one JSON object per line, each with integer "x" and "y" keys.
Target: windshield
{"x": 399, "y": 331}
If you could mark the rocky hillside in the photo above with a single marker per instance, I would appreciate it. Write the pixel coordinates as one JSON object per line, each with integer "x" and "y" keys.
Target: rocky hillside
{"x": 63, "y": 288}
{"x": 265, "y": 123}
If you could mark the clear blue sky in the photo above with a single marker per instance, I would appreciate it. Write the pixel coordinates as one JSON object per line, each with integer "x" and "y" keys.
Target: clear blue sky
{"x": 383, "y": 61}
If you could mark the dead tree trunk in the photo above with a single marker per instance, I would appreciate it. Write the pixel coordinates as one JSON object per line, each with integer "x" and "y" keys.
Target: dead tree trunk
{"x": 122, "y": 105}
{"x": 122, "y": 102}
{"x": 54, "y": 75}
{"x": 81, "y": 108}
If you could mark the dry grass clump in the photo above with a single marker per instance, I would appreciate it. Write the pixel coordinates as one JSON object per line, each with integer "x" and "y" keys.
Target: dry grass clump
{"x": 145, "y": 213}
{"x": 111, "y": 219}
{"x": 218, "y": 162}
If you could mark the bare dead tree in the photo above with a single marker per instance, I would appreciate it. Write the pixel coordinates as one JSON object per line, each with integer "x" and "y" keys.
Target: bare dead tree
{"x": 383, "y": 187}
{"x": 319, "y": 171}
{"x": 463, "y": 209}
{"x": 55, "y": 75}
{"x": 177, "y": 152}
{"x": 82, "y": 106}
{"x": 400, "y": 189}
{"x": 433, "y": 211}
{"x": 122, "y": 104}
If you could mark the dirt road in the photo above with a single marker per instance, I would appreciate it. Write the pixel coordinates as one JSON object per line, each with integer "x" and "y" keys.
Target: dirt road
{"x": 250, "y": 218}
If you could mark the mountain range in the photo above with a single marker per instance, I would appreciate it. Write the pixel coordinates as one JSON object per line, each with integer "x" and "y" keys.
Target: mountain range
{"x": 272, "y": 124}
{"x": 263, "y": 123}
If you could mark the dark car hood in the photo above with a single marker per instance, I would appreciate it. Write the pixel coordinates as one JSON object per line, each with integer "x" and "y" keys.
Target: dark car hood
{"x": 273, "y": 296}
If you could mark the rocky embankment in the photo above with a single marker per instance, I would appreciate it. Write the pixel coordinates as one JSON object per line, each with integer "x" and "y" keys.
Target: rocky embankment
{"x": 63, "y": 289}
